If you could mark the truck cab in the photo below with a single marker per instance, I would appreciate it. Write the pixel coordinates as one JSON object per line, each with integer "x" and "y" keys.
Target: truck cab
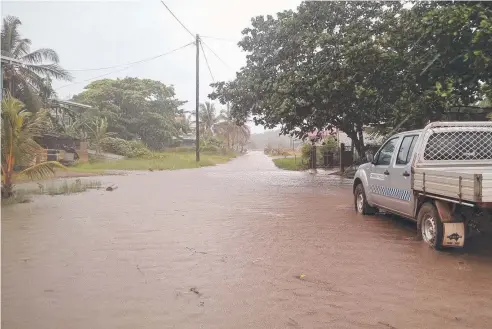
{"x": 387, "y": 176}
{"x": 438, "y": 176}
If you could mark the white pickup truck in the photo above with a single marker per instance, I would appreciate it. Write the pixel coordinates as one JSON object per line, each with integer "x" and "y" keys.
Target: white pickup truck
{"x": 440, "y": 177}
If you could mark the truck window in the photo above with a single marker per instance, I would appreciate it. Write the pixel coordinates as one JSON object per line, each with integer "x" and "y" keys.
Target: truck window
{"x": 406, "y": 149}
{"x": 386, "y": 152}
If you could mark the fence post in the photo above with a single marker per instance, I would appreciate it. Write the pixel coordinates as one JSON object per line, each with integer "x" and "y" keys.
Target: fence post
{"x": 342, "y": 158}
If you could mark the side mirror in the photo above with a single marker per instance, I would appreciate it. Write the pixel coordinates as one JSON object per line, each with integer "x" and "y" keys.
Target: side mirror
{"x": 370, "y": 157}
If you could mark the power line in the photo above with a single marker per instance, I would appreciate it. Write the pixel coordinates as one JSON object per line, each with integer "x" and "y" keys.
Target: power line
{"x": 93, "y": 78}
{"x": 217, "y": 38}
{"x": 206, "y": 61}
{"x": 170, "y": 11}
{"x": 127, "y": 66}
{"x": 220, "y": 59}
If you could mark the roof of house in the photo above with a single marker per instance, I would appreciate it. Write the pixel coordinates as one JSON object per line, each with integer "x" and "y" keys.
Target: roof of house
{"x": 70, "y": 103}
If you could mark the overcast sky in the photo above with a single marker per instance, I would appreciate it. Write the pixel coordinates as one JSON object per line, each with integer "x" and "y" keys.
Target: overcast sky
{"x": 94, "y": 34}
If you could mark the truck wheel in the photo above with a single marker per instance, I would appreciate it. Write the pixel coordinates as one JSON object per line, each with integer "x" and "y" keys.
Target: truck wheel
{"x": 361, "y": 205}
{"x": 430, "y": 225}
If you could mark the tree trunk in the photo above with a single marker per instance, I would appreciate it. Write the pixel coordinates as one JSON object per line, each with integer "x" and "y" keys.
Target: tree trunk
{"x": 360, "y": 136}
{"x": 357, "y": 141}
{"x": 7, "y": 186}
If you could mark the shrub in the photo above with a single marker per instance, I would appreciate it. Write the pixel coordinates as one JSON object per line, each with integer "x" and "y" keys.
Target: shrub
{"x": 138, "y": 149}
{"x": 115, "y": 145}
{"x": 306, "y": 151}
{"x": 125, "y": 148}
{"x": 329, "y": 145}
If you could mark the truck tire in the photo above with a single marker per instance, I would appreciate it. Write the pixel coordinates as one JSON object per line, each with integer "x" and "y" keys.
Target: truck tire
{"x": 429, "y": 226}
{"x": 360, "y": 202}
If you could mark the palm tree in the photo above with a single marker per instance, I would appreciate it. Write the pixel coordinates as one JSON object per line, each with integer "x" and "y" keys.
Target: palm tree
{"x": 98, "y": 130}
{"x": 19, "y": 128}
{"x": 208, "y": 117}
{"x": 236, "y": 135}
{"x": 30, "y": 82}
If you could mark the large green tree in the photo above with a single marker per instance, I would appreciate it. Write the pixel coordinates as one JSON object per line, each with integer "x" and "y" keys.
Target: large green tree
{"x": 353, "y": 64}
{"x": 135, "y": 109}
{"x": 31, "y": 82}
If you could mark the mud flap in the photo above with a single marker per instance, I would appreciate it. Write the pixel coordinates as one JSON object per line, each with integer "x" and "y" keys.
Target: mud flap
{"x": 453, "y": 235}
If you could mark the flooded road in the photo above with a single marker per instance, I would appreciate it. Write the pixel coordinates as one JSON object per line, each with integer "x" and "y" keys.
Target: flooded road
{"x": 240, "y": 245}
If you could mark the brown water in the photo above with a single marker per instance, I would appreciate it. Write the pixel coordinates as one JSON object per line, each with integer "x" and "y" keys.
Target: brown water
{"x": 225, "y": 247}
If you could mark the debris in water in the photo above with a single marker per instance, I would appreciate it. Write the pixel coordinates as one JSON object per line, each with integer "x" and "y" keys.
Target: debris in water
{"x": 150, "y": 169}
{"x": 195, "y": 290}
{"x": 387, "y": 325}
{"x": 111, "y": 188}
{"x": 302, "y": 276}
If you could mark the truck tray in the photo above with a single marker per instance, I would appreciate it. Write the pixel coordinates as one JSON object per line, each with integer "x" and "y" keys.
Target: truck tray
{"x": 472, "y": 184}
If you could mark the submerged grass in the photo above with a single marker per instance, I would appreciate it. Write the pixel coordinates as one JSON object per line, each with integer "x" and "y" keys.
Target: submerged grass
{"x": 65, "y": 187}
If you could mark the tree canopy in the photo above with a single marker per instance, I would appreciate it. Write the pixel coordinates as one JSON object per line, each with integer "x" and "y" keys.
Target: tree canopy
{"x": 351, "y": 64}
{"x": 136, "y": 109}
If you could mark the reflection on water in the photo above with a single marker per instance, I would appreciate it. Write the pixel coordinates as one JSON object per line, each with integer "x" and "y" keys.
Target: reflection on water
{"x": 240, "y": 245}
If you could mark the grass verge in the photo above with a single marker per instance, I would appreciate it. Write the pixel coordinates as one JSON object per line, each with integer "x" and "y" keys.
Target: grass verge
{"x": 158, "y": 161}
{"x": 53, "y": 188}
{"x": 289, "y": 164}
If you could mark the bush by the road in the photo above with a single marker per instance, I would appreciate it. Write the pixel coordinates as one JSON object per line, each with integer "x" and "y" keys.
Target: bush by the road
{"x": 125, "y": 148}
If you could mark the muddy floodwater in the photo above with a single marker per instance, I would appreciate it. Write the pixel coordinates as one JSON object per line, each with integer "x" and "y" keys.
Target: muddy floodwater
{"x": 240, "y": 245}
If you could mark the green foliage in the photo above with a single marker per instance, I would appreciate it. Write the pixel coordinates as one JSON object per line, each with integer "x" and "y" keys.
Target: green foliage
{"x": 19, "y": 148}
{"x": 159, "y": 161}
{"x": 116, "y": 145}
{"x": 72, "y": 187}
{"x": 125, "y": 148}
{"x": 290, "y": 164}
{"x": 349, "y": 65}
{"x": 211, "y": 141}
{"x": 329, "y": 145}
{"x": 98, "y": 130}
{"x": 306, "y": 151}
{"x": 136, "y": 109}
{"x": 30, "y": 83}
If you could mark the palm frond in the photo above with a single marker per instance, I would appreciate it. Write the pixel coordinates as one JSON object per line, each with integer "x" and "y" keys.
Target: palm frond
{"x": 42, "y": 170}
{"x": 51, "y": 70}
{"x": 39, "y": 55}
{"x": 10, "y": 34}
{"x": 23, "y": 46}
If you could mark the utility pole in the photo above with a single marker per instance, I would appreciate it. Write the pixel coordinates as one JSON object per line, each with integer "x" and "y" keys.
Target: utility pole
{"x": 197, "y": 121}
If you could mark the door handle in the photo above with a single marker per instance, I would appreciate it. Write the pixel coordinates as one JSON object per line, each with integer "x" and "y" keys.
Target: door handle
{"x": 386, "y": 172}
{"x": 406, "y": 174}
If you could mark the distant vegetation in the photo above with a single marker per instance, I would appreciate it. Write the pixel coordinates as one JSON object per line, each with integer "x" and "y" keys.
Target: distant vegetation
{"x": 271, "y": 139}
